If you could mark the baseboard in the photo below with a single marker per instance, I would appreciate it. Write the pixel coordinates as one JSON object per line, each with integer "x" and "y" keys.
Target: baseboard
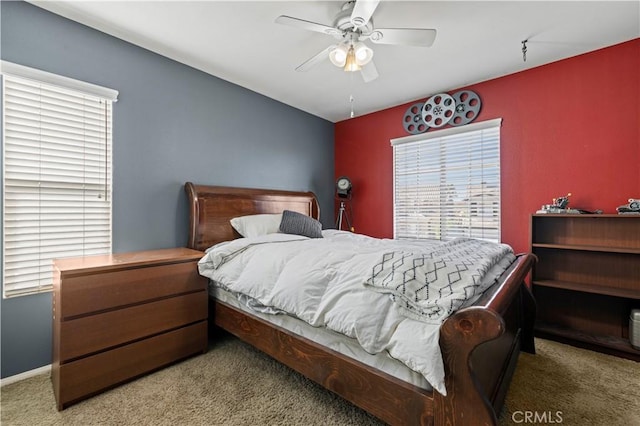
{"x": 25, "y": 375}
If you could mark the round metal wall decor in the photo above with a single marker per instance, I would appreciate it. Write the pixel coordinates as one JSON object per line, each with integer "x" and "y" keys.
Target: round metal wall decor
{"x": 467, "y": 107}
{"x": 412, "y": 120}
{"x": 438, "y": 110}
{"x": 456, "y": 110}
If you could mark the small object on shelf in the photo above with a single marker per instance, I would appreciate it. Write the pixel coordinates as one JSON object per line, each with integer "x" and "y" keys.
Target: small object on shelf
{"x": 560, "y": 205}
{"x": 550, "y": 209}
{"x": 632, "y": 208}
{"x": 562, "y": 202}
{"x": 634, "y": 328}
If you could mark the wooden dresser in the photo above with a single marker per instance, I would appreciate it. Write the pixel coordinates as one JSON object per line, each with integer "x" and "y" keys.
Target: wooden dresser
{"x": 116, "y": 317}
{"x": 587, "y": 279}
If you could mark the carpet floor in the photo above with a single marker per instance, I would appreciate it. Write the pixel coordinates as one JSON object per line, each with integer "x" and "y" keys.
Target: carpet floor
{"x": 234, "y": 384}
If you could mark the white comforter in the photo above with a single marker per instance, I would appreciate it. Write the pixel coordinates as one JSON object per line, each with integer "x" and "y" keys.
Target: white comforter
{"x": 322, "y": 281}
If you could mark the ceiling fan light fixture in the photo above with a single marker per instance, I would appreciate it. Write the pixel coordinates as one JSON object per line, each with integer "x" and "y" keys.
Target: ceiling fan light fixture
{"x": 351, "y": 64}
{"x": 363, "y": 53}
{"x": 353, "y": 23}
{"x": 338, "y": 56}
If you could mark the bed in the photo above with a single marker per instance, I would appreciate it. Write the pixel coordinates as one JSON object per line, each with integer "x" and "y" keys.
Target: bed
{"x": 479, "y": 344}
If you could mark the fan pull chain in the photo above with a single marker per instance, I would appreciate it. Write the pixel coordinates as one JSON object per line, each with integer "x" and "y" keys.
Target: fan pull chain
{"x": 353, "y": 114}
{"x": 351, "y": 102}
{"x": 524, "y": 50}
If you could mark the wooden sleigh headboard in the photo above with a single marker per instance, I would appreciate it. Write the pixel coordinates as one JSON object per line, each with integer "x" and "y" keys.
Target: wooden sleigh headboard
{"x": 211, "y": 208}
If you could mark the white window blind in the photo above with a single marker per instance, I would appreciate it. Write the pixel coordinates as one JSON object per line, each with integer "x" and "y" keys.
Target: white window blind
{"x": 447, "y": 183}
{"x": 56, "y": 180}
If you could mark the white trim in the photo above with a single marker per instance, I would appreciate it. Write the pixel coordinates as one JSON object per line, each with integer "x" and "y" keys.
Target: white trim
{"x": 497, "y": 122}
{"x": 26, "y": 375}
{"x": 16, "y": 70}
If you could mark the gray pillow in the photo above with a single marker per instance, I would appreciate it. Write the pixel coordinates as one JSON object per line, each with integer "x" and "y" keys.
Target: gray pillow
{"x": 300, "y": 224}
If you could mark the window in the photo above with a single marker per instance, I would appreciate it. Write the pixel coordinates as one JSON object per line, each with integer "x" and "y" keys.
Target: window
{"x": 447, "y": 183}
{"x": 56, "y": 174}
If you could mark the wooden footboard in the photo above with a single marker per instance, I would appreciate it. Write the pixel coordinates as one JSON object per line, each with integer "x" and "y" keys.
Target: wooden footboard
{"x": 480, "y": 344}
{"x": 480, "y": 347}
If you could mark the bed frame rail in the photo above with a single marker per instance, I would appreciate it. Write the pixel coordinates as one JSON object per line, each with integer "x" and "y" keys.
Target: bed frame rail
{"x": 382, "y": 395}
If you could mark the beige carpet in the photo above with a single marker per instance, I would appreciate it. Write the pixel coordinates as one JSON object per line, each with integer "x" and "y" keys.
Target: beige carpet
{"x": 233, "y": 384}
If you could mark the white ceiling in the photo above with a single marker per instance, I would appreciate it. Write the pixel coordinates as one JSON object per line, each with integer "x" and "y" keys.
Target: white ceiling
{"x": 238, "y": 41}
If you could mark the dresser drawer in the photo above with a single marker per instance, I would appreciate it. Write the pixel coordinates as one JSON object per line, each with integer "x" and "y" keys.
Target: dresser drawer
{"x": 87, "y": 293}
{"x": 89, "y": 334}
{"x": 93, "y": 374}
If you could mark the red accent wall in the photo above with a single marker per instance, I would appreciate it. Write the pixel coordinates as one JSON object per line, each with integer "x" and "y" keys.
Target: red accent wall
{"x": 569, "y": 126}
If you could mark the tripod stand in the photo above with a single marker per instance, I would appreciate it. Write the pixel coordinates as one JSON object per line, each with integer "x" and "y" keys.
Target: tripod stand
{"x": 342, "y": 214}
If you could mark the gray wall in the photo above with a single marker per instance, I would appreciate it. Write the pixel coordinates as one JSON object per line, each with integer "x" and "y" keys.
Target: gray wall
{"x": 172, "y": 124}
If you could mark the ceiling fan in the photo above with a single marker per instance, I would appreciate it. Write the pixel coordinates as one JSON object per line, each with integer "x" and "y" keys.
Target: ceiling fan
{"x": 352, "y": 26}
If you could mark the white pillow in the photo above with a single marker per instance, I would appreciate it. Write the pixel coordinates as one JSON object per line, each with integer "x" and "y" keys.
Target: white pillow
{"x": 256, "y": 225}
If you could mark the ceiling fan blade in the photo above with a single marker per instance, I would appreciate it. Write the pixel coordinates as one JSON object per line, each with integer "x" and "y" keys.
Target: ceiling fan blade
{"x": 321, "y": 56}
{"x": 369, "y": 72}
{"x": 306, "y": 25}
{"x": 408, "y": 36}
{"x": 362, "y": 12}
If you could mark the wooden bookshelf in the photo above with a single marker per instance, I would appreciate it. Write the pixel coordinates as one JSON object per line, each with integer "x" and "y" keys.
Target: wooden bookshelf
{"x": 587, "y": 279}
